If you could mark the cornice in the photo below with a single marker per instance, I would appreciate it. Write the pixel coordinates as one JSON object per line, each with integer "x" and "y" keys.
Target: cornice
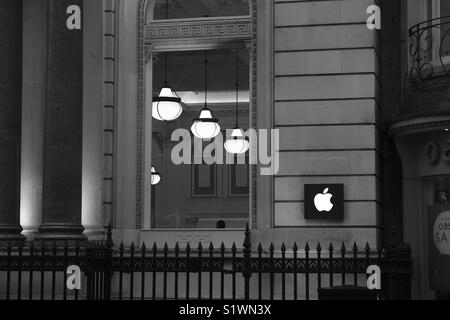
{"x": 419, "y": 125}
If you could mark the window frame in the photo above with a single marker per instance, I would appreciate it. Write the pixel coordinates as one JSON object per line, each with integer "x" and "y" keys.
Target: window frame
{"x": 145, "y": 73}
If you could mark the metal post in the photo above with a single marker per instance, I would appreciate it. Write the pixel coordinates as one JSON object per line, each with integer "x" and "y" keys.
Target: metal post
{"x": 247, "y": 254}
{"x": 108, "y": 263}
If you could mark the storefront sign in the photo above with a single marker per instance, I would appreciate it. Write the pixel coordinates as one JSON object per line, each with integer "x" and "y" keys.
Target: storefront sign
{"x": 324, "y": 202}
{"x": 439, "y": 247}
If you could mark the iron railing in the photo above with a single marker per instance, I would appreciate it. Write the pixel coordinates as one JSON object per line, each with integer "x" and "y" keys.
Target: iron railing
{"x": 429, "y": 45}
{"x": 38, "y": 272}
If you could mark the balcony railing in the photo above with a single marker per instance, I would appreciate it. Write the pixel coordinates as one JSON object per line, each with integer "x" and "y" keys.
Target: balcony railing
{"x": 429, "y": 49}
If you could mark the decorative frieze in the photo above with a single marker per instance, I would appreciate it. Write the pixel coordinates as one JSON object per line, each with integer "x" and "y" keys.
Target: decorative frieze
{"x": 194, "y": 30}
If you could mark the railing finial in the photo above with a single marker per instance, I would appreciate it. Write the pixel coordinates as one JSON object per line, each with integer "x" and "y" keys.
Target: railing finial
{"x": 109, "y": 241}
{"x": 247, "y": 242}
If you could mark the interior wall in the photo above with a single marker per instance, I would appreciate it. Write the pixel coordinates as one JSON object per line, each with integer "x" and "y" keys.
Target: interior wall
{"x": 173, "y": 195}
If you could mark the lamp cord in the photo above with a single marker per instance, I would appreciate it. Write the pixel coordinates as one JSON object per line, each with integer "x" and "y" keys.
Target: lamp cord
{"x": 167, "y": 9}
{"x": 166, "y": 67}
{"x": 206, "y": 79}
{"x": 237, "y": 88}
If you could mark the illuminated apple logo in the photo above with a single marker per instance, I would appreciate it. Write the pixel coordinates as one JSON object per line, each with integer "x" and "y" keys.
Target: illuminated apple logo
{"x": 322, "y": 201}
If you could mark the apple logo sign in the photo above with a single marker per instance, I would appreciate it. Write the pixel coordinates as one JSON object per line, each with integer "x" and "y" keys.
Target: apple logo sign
{"x": 324, "y": 202}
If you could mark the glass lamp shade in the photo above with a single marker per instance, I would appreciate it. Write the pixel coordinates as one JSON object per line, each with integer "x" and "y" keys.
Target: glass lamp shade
{"x": 156, "y": 178}
{"x": 166, "y": 107}
{"x": 205, "y": 126}
{"x": 237, "y": 143}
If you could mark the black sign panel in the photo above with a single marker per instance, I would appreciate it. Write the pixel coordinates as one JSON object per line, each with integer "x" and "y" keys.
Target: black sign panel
{"x": 324, "y": 201}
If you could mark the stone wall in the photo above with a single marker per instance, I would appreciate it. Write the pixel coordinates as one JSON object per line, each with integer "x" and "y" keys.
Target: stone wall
{"x": 326, "y": 103}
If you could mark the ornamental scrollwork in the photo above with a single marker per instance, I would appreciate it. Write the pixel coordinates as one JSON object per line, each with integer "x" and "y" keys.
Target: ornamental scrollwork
{"x": 428, "y": 43}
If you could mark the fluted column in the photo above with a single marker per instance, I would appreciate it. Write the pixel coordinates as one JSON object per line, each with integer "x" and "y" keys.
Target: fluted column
{"x": 61, "y": 203}
{"x": 10, "y": 117}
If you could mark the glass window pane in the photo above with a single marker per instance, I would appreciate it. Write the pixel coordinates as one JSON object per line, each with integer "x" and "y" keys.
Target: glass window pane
{"x": 182, "y": 9}
{"x": 186, "y": 70}
{"x": 201, "y": 196}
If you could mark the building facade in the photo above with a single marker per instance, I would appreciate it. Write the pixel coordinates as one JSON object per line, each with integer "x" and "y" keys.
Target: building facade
{"x": 354, "y": 106}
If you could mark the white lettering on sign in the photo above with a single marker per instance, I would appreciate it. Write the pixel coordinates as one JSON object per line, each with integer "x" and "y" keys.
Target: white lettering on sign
{"x": 73, "y": 278}
{"x": 74, "y": 20}
{"x": 441, "y": 233}
{"x": 374, "y": 21}
{"x": 374, "y": 279}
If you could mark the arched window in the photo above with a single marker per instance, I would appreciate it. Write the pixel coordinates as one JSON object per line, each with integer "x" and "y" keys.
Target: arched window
{"x": 197, "y": 196}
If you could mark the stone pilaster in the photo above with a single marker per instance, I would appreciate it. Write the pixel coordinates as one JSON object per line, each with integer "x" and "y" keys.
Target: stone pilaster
{"x": 10, "y": 118}
{"x": 63, "y": 135}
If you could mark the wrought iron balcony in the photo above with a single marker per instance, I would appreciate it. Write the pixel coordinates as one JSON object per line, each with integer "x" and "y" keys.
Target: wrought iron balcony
{"x": 429, "y": 49}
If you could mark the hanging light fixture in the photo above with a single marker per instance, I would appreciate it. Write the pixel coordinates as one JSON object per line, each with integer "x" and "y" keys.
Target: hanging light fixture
{"x": 167, "y": 105}
{"x": 237, "y": 143}
{"x": 156, "y": 177}
{"x": 205, "y": 126}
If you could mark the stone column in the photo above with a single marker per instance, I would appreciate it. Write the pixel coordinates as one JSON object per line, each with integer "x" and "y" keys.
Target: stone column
{"x": 93, "y": 107}
{"x": 63, "y": 133}
{"x": 10, "y": 118}
{"x": 33, "y": 85}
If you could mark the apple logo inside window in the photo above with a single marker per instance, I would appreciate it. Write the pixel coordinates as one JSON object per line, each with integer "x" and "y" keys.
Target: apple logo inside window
{"x": 322, "y": 201}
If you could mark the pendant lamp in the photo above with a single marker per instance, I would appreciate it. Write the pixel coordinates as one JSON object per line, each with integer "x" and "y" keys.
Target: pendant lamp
{"x": 205, "y": 126}
{"x": 167, "y": 105}
{"x": 155, "y": 178}
{"x": 237, "y": 144}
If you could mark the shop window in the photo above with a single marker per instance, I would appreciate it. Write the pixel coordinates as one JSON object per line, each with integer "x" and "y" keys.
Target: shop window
{"x": 436, "y": 226}
{"x": 200, "y": 195}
